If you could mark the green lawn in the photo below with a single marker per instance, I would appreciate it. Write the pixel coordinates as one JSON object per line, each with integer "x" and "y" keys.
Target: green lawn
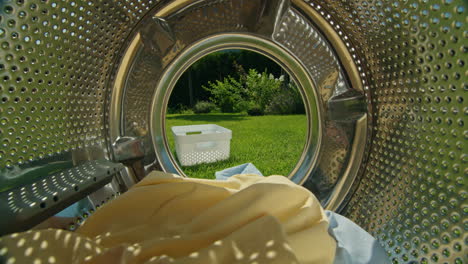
{"x": 273, "y": 144}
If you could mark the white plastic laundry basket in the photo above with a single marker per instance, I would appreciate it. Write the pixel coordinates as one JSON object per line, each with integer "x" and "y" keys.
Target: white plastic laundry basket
{"x": 201, "y": 143}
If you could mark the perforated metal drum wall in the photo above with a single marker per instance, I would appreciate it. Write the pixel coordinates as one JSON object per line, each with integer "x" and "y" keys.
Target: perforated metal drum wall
{"x": 55, "y": 62}
{"x": 413, "y": 192}
{"x": 58, "y": 61}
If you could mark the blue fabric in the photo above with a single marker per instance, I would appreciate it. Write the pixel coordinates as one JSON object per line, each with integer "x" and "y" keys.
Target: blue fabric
{"x": 247, "y": 168}
{"x": 354, "y": 244}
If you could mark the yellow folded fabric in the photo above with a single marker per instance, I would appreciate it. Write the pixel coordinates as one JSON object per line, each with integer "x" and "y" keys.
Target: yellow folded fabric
{"x": 169, "y": 219}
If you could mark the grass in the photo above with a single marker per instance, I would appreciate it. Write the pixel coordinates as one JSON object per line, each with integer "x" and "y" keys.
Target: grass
{"x": 273, "y": 144}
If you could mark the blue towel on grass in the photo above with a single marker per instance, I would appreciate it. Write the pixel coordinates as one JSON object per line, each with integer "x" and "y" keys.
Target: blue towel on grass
{"x": 247, "y": 168}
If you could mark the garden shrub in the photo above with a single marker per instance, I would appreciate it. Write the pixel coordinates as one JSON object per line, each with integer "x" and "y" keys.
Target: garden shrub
{"x": 225, "y": 94}
{"x": 203, "y": 107}
{"x": 287, "y": 101}
{"x": 242, "y": 106}
{"x": 255, "y": 110}
{"x": 257, "y": 93}
{"x": 261, "y": 87}
{"x": 180, "y": 109}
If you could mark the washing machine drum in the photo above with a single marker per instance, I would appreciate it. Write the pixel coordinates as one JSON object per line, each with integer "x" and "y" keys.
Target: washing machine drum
{"x": 85, "y": 85}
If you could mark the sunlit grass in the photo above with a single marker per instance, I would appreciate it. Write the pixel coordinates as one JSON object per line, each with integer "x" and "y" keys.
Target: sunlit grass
{"x": 273, "y": 143}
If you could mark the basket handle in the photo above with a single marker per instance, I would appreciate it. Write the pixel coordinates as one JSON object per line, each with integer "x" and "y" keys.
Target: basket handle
{"x": 206, "y": 145}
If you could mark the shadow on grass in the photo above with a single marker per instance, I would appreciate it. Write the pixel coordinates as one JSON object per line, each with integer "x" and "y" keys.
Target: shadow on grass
{"x": 208, "y": 117}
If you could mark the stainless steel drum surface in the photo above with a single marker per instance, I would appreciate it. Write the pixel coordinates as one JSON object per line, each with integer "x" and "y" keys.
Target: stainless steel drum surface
{"x": 383, "y": 81}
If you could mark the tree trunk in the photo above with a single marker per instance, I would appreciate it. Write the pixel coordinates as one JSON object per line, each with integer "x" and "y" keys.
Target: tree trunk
{"x": 190, "y": 84}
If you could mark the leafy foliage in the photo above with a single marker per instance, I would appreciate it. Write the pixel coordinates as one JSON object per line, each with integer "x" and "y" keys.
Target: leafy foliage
{"x": 255, "y": 110}
{"x": 204, "y": 107}
{"x": 217, "y": 66}
{"x": 287, "y": 100}
{"x": 252, "y": 92}
{"x": 179, "y": 109}
{"x": 226, "y": 94}
{"x": 261, "y": 87}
